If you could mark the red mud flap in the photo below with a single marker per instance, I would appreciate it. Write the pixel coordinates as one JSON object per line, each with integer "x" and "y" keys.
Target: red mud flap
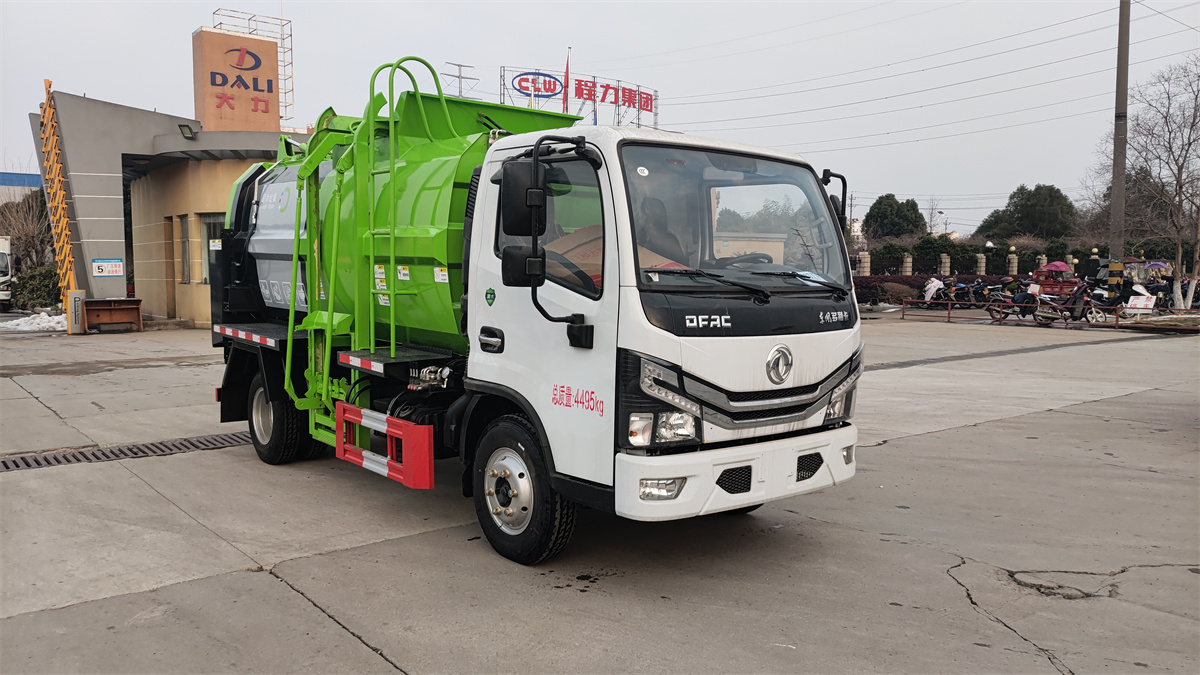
{"x": 417, "y": 449}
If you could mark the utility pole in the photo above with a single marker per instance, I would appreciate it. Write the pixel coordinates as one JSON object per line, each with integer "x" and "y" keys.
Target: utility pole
{"x": 460, "y": 78}
{"x": 1116, "y": 227}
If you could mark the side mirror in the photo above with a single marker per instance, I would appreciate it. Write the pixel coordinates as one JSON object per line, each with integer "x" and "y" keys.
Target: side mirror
{"x": 839, "y": 209}
{"x": 16, "y": 263}
{"x": 519, "y": 193}
{"x": 519, "y": 267}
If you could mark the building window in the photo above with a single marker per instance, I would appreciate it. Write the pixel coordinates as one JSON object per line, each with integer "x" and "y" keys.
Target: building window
{"x": 211, "y": 224}
{"x": 185, "y": 251}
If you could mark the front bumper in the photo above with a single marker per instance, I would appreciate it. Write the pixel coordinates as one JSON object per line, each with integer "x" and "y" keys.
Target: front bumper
{"x": 773, "y": 475}
{"x": 6, "y": 295}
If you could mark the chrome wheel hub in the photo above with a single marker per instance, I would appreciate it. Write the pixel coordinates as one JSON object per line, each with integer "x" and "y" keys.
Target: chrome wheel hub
{"x": 263, "y": 417}
{"x": 508, "y": 491}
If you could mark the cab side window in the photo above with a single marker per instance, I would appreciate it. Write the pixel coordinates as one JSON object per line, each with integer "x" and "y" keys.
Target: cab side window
{"x": 574, "y": 238}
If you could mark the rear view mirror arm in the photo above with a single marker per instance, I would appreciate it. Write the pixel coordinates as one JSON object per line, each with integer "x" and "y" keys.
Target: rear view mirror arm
{"x": 578, "y": 333}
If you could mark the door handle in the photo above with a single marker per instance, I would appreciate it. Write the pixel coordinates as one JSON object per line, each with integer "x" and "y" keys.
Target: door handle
{"x": 491, "y": 340}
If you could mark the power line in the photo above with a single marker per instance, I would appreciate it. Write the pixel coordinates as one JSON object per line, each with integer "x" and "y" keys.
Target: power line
{"x": 1143, "y": 4}
{"x": 796, "y": 42}
{"x": 927, "y": 56}
{"x": 909, "y": 60}
{"x": 964, "y": 133}
{"x": 921, "y": 91}
{"x": 972, "y": 119}
{"x": 924, "y": 70}
{"x": 737, "y": 39}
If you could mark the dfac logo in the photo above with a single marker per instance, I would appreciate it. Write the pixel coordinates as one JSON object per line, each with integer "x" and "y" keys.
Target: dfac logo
{"x": 240, "y": 63}
{"x": 537, "y": 85}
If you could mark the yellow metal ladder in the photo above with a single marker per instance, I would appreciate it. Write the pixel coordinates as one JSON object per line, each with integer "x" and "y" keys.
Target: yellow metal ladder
{"x": 56, "y": 198}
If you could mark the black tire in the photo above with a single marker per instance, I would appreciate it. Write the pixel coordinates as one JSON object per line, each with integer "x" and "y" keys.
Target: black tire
{"x": 537, "y": 523}
{"x": 744, "y": 510}
{"x": 285, "y": 430}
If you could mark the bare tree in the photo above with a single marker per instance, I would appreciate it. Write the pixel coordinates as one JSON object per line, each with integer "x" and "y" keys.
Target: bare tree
{"x": 934, "y": 203}
{"x": 1164, "y": 158}
{"x": 24, "y": 218}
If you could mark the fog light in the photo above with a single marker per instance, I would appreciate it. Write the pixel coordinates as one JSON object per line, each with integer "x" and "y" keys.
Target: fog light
{"x": 675, "y": 426}
{"x": 660, "y": 489}
{"x": 848, "y": 455}
{"x": 639, "y": 428}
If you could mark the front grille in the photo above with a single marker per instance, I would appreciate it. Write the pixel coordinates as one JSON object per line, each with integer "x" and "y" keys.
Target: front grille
{"x": 735, "y": 481}
{"x": 751, "y": 415}
{"x": 754, "y": 396}
{"x": 808, "y": 465}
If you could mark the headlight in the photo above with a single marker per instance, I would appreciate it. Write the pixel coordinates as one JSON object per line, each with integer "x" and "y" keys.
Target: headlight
{"x": 841, "y": 399}
{"x": 675, "y": 426}
{"x": 650, "y": 373}
{"x": 653, "y": 411}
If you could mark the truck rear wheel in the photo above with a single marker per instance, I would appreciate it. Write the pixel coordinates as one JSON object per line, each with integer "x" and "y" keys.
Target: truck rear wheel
{"x": 278, "y": 430}
{"x": 522, "y": 516}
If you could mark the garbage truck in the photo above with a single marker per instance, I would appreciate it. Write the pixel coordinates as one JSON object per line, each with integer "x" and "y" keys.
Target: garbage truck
{"x": 647, "y": 323}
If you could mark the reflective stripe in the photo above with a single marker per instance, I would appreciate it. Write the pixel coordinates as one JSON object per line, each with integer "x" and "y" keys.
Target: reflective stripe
{"x": 356, "y": 362}
{"x": 374, "y": 420}
{"x": 375, "y": 463}
{"x": 243, "y": 335}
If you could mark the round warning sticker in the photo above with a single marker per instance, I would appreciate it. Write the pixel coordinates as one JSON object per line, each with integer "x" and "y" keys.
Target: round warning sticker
{"x": 643, "y": 171}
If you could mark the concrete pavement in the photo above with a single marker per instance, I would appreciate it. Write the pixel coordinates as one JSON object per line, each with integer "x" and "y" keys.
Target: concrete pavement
{"x": 1028, "y": 500}
{"x": 62, "y": 391}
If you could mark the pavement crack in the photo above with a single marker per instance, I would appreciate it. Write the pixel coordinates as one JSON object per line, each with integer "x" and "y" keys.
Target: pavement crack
{"x": 1019, "y": 351}
{"x": 255, "y": 568}
{"x": 1050, "y": 656}
{"x": 334, "y": 619}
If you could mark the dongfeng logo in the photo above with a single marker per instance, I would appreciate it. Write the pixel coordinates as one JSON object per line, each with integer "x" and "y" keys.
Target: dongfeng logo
{"x": 779, "y": 364}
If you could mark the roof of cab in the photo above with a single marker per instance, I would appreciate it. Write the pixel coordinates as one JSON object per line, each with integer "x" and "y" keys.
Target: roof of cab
{"x": 607, "y": 134}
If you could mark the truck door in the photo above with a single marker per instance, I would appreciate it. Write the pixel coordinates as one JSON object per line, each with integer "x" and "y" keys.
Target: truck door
{"x": 572, "y": 389}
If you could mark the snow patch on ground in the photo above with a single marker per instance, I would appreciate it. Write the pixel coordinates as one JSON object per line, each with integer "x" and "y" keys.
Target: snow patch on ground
{"x": 36, "y": 322}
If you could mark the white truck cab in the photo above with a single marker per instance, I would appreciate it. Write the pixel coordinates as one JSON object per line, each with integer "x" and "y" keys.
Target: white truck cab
{"x": 7, "y": 272}
{"x": 722, "y": 340}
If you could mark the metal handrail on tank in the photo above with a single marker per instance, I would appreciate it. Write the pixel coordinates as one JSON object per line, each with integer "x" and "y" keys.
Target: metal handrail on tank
{"x": 369, "y": 121}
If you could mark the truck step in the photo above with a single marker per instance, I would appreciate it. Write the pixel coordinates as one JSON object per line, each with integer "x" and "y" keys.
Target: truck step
{"x": 409, "y": 464}
{"x": 270, "y": 335}
{"x": 380, "y": 362}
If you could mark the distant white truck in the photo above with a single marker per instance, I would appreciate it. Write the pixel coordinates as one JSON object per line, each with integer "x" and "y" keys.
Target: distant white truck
{"x": 6, "y": 273}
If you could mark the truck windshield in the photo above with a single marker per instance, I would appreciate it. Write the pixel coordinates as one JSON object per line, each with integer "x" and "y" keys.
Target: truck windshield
{"x": 4, "y": 271}
{"x": 748, "y": 219}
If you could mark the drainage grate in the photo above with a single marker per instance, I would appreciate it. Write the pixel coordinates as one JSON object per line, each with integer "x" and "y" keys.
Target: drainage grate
{"x": 155, "y": 449}
{"x": 808, "y": 465}
{"x": 735, "y": 481}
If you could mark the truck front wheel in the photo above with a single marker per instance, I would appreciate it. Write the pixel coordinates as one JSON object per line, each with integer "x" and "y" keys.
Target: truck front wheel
{"x": 522, "y": 516}
{"x": 278, "y": 430}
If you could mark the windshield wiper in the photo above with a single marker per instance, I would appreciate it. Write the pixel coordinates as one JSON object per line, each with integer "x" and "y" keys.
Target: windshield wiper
{"x": 811, "y": 278}
{"x": 758, "y": 291}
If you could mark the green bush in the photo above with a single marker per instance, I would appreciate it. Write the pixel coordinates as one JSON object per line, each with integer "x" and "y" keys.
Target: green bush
{"x": 37, "y": 287}
{"x": 1056, "y": 249}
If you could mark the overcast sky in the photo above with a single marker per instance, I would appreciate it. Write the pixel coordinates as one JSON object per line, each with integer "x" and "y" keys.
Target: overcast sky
{"x": 960, "y": 101}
